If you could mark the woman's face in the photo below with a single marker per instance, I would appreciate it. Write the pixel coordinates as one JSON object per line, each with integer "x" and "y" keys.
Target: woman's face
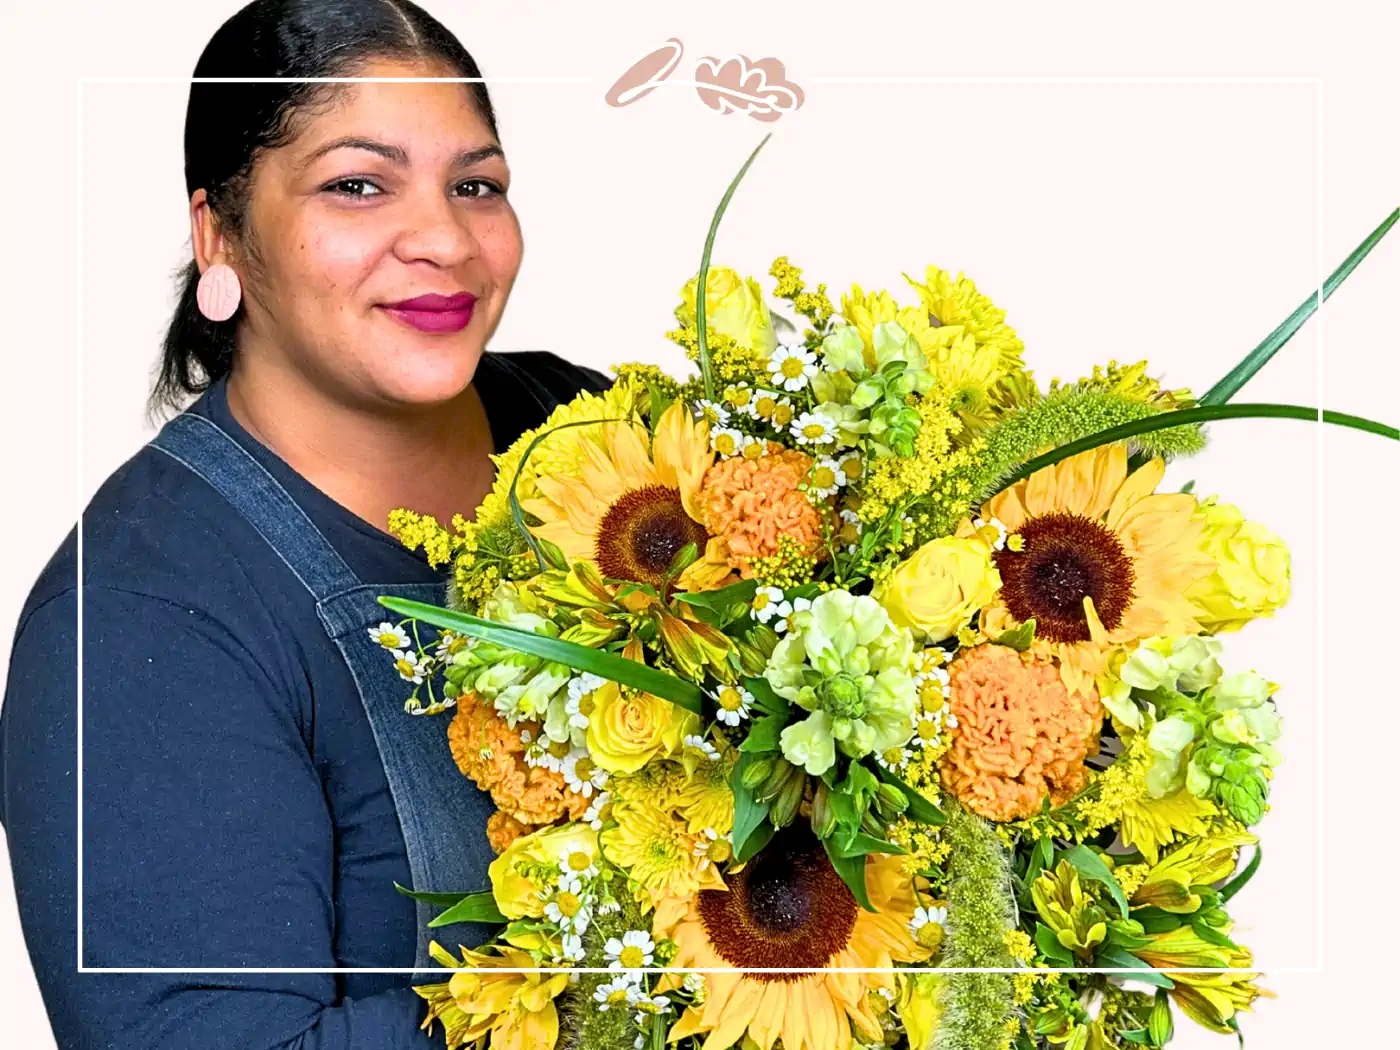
{"x": 392, "y": 193}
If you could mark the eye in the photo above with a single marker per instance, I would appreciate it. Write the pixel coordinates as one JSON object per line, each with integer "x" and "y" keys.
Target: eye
{"x": 495, "y": 187}
{"x": 338, "y": 187}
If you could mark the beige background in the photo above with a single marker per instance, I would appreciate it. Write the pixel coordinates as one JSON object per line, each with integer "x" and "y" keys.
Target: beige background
{"x": 1175, "y": 221}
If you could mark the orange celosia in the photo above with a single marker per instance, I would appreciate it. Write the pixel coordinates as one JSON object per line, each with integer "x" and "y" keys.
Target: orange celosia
{"x": 1020, "y": 734}
{"x": 493, "y": 755}
{"x": 749, "y": 503}
{"x": 502, "y": 829}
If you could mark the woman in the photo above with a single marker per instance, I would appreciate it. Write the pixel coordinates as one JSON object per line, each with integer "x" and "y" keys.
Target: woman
{"x": 252, "y": 788}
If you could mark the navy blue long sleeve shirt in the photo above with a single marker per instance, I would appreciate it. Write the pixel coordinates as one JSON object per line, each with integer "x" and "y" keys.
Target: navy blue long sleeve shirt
{"x": 236, "y": 811}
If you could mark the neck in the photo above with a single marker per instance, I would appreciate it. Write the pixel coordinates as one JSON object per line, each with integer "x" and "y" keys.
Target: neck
{"x": 369, "y": 459}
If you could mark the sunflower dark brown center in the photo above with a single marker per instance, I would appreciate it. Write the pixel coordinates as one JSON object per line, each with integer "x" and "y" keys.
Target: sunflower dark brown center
{"x": 642, "y": 532}
{"x": 786, "y": 908}
{"x": 1066, "y": 558}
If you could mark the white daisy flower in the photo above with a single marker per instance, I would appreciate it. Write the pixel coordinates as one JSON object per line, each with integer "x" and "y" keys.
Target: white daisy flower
{"x": 713, "y": 412}
{"x": 706, "y": 838}
{"x": 727, "y": 441}
{"x": 390, "y": 636}
{"x": 894, "y": 758}
{"x": 924, "y": 916}
{"x": 449, "y": 643}
{"x": 696, "y": 742}
{"x": 568, "y": 911}
{"x": 792, "y": 366}
{"x": 578, "y": 703}
{"x": 694, "y": 983}
{"x": 609, "y": 907}
{"x": 928, "y": 728}
{"x": 581, "y": 773}
{"x": 767, "y": 603}
{"x": 594, "y": 813}
{"x": 826, "y": 477}
{"x": 648, "y": 1005}
{"x": 631, "y": 951}
{"x": 617, "y": 992}
{"x": 812, "y": 429}
{"x": 734, "y": 703}
{"x": 993, "y": 531}
{"x": 576, "y": 864}
{"x": 798, "y": 605}
{"x": 571, "y": 948}
{"x": 410, "y": 666}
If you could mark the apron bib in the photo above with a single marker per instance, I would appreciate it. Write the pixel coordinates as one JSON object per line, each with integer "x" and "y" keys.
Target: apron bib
{"x": 441, "y": 812}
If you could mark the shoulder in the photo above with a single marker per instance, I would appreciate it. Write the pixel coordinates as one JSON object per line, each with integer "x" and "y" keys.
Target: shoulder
{"x": 158, "y": 541}
{"x": 561, "y": 379}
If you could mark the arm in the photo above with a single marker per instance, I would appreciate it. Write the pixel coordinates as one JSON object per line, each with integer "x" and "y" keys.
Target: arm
{"x": 206, "y": 839}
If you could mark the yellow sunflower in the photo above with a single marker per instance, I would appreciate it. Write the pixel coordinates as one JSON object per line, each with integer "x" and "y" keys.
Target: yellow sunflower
{"x": 628, "y": 507}
{"x": 788, "y": 908}
{"x": 1097, "y": 558}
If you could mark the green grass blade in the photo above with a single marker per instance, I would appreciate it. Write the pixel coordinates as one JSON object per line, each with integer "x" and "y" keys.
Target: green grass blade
{"x": 1202, "y": 414}
{"x": 517, "y": 515}
{"x": 571, "y": 654}
{"x": 1230, "y": 385}
{"x": 701, "y": 284}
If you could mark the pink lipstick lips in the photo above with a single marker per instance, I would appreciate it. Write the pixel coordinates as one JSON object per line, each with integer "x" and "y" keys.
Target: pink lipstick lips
{"x": 434, "y": 313}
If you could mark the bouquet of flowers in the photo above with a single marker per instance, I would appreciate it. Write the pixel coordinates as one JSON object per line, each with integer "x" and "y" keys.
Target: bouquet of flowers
{"x": 854, "y": 691}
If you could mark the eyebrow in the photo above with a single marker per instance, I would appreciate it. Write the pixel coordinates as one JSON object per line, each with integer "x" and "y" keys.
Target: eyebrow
{"x": 396, "y": 154}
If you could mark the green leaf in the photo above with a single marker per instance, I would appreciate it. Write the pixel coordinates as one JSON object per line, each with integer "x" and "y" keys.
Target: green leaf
{"x": 1108, "y": 955}
{"x": 1211, "y": 935}
{"x": 764, "y": 698}
{"x": 1135, "y": 1035}
{"x": 571, "y": 654}
{"x": 1230, "y": 383}
{"x": 862, "y": 844}
{"x": 757, "y": 839}
{"x": 1241, "y": 880}
{"x": 517, "y": 515}
{"x": 720, "y": 600}
{"x": 920, "y": 808}
{"x": 1019, "y": 638}
{"x": 444, "y": 900}
{"x": 1202, "y": 414}
{"x": 1091, "y": 866}
{"x": 474, "y": 907}
{"x": 764, "y": 734}
{"x": 702, "y": 283}
{"x": 748, "y": 812}
{"x": 1050, "y": 946}
{"x": 851, "y": 868}
{"x": 658, "y": 1032}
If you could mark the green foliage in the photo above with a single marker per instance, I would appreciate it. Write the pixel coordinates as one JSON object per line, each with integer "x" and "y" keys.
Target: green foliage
{"x": 981, "y": 908}
{"x": 582, "y": 1025}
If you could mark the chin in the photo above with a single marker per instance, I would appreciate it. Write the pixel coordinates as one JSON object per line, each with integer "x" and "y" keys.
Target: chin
{"x": 427, "y": 379}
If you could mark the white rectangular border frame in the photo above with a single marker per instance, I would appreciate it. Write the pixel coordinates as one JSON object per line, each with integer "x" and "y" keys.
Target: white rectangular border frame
{"x": 1317, "y": 82}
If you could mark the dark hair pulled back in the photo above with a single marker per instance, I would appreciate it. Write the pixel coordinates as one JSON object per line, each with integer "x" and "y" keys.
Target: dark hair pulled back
{"x": 228, "y": 124}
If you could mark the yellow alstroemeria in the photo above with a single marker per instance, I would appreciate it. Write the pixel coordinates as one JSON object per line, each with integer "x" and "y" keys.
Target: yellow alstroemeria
{"x": 515, "y": 1008}
{"x": 1199, "y": 862}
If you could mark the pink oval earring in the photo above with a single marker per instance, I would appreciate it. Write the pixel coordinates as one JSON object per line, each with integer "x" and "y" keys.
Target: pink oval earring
{"x": 218, "y": 292}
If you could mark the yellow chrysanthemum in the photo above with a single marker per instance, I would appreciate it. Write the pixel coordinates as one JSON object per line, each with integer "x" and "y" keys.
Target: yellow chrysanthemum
{"x": 1150, "y": 824}
{"x": 629, "y": 508}
{"x": 516, "y": 1009}
{"x": 1097, "y": 558}
{"x": 958, "y": 302}
{"x": 562, "y": 448}
{"x": 787, "y": 908}
{"x": 661, "y": 853}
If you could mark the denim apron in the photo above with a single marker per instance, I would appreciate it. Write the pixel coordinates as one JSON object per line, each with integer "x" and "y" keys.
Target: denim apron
{"x": 441, "y": 812}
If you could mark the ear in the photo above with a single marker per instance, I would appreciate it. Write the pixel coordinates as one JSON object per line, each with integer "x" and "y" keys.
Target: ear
{"x": 205, "y": 234}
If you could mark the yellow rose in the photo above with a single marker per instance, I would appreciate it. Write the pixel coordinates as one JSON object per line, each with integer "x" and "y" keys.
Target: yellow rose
{"x": 517, "y": 894}
{"x": 734, "y": 306}
{"x": 1252, "y": 569}
{"x": 626, "y": 731}
{"x": 938, "y": 588}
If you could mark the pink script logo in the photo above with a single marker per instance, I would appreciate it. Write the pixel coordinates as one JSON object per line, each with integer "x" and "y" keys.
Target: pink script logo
{"x": 732, "y": 85}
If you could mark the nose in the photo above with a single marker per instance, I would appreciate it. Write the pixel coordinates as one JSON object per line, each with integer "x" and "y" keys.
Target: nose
{"x": 436, "y": 229}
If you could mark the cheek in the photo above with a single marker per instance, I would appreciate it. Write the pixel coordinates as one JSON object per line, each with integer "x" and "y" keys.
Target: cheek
{"x": 334, "y": 260}
{"x": 502, "y": 246}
